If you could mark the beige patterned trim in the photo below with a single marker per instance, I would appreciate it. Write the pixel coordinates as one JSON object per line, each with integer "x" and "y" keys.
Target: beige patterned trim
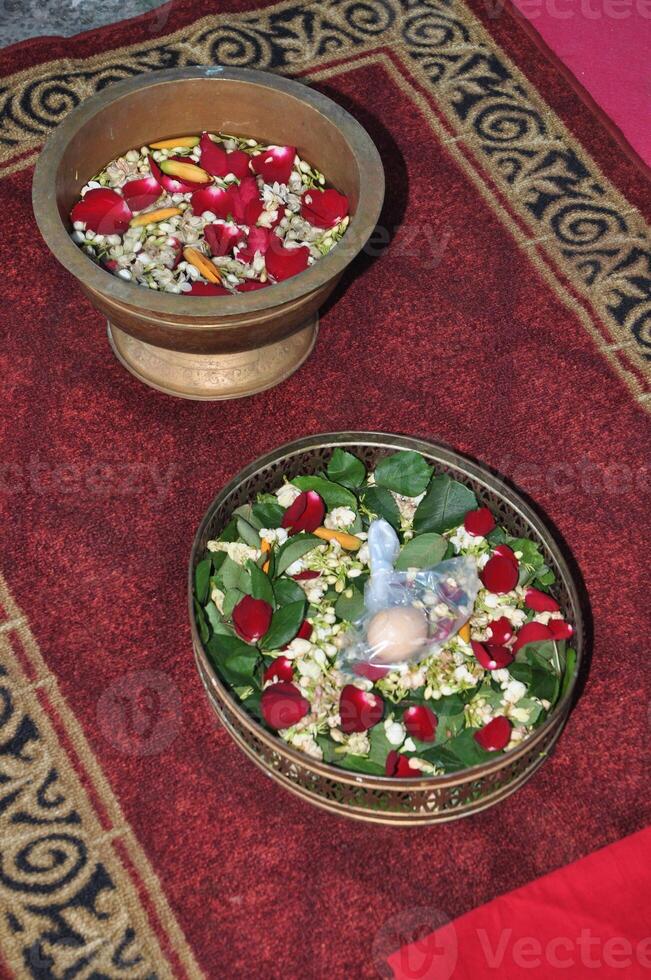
{"x": 67, "y": 900}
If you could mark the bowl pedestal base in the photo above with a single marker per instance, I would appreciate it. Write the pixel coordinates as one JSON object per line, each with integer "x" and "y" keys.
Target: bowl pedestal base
{"x": 212, "y": 377}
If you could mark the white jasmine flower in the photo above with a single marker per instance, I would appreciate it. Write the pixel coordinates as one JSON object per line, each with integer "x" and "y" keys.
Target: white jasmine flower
{"x": 514, "y": 691}
{"x": 358, "y": 744}
{"x": 309, "y": 669}
{"x": 363, "y": 554}
{"x": 306, "y": 743}
{"x": 274, "y": 535}
{"x": 236, "y": 551}
{"x": 463, "y": 541}
{"x": 395, "y": 731}
{"x": 287, "y": 494}
{"x": 297, "y": 648}
{"x": 339, "y": 519}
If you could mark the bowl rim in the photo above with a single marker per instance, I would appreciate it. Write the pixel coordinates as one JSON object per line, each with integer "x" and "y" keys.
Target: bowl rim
{"x": 57, "y": 238}
{"x": 481, "y": 474}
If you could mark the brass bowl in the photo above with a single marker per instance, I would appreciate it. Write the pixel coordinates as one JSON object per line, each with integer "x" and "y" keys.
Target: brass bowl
{"x": 382, "y": 799}
{"x": 221, "y": 346}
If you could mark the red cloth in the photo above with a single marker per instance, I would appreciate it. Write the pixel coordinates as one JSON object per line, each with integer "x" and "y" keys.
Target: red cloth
{"x": 588, "y": 919}
{"x": 606, "y": 44}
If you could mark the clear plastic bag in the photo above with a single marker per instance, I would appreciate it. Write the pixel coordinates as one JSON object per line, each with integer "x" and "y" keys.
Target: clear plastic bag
{"x": 408, "y": 615}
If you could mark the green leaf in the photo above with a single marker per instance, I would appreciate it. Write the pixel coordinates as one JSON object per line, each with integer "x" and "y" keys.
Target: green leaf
{"x": 570, "y": 669}
{"x": 231, "y": 599}
{"x": 235, "y": 660}
{"x": 444, "y": 506}
{"x": 346, "y": 469}
{"x": 423, "y": 551}
{"x": 213, "y": 617}
{"x": 532, "y": 563}
{"x": 458, "y": 753}
{"x": 267, "y": 514}
{"x": 350, "y": 609}
{"x": 540, "y": 683}
{"x": 548, "y": 654}
{"x": 285, "y": 624}
{"x": 358, "y": 763}
{"x": 286, "y": 590}
{"x": 230, "y": 532}
{"x": 245, "y": 511}
{"x": 233, "y": 576}
{"x": 202, "y": 575}
{"x": 202, "y": 625}
{"x": 380, "y": 745}
{"x": 261, "y": 587}
{"x": 333, "y": 494}
{"x": 405, "y": 472}
{"x": 293, "y": 549}
{"x": 379, "y": 501}
{"x": 248, "y": 533}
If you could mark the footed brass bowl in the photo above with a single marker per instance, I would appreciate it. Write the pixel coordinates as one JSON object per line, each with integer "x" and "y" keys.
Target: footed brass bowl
{"x": 219, "y": 346}
{"x": 382, "y": 799}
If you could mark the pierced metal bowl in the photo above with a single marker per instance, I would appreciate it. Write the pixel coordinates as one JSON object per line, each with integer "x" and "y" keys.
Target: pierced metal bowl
{"x": 382, "y": 799}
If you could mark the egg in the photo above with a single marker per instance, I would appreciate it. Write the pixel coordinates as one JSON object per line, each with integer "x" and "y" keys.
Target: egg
{"x": 396, "y": 634}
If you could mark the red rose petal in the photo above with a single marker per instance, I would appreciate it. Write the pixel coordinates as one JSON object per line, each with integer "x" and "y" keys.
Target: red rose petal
{"x": 283, "y": 263}
{"x": 206, "y": 289}
{"x": 399, "y": 766}
{"x": 219, "y": 163}
{"x": 370, "y": 671}
{"x": 499, "y": 575}
{"x": 359, "y": 710}
{"x": 495, "y": 735}
{"x": 491, "y": 656}
{"x": 214, "y": 199}
{"x": 222, "y": 238}
{"x": 141, "y": 193}
{"x": 280, "y": 669}
{"x": 531, "y": 633}
{"x": 505, "y": 552}
{"x": 559, "y": 629}
{"x": 274, "y": 164}
{"x": 103, "y": 211}
{"x": 305, "y": 514}
{"x": 306, "y": 576}
{"x": 283, "y": 705}
{"x": 420, "y": 722}
{"x": 500, "y": 631}
{"x": 540, "y": 601}
{"x": 257, "y": 240}
{"x": 251, "y": 618}
{"x": 479, "y": 522}
{"x": 324, "y": 208}
{"x": 249, "y": 285}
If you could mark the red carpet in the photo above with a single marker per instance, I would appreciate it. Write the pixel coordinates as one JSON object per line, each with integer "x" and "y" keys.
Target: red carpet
{"x": 506, "y": 318}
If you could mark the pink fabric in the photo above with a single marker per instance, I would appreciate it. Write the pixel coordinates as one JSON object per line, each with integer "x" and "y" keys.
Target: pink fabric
{"x": 589, "y": 919}
{"x": 606, "y": 44}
